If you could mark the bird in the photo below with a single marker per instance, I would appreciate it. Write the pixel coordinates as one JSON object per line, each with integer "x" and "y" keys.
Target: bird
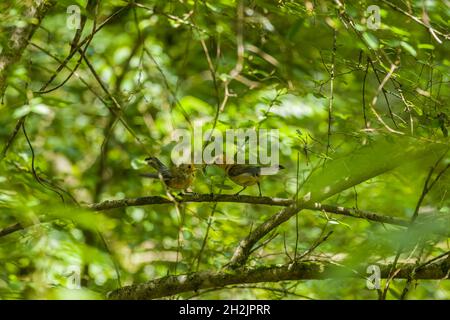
{"x": 176, "y": 177}
{"x": 245, "y": 174}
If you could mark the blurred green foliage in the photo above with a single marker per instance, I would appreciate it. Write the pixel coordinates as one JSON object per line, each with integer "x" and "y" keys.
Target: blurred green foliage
{"x": 168, "y": 65}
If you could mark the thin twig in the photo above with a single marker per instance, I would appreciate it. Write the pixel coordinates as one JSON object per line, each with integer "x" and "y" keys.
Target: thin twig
{"x": 432, "y": 30}
{"x": 375, "y": 98}
{"x": 425, "y": 190}
{"x": 331, "y": 99}
{"x": 364, "y": 94}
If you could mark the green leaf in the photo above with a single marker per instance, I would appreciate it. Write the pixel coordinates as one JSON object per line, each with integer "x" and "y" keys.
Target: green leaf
{"x": 41, "y": 109}
{"x": 408, "y": 48}
{"x": 372, "y": 160}
{"x": 22, "y": 111}
{"x": 371, "y": 40}
{"x": 425, "y": 46}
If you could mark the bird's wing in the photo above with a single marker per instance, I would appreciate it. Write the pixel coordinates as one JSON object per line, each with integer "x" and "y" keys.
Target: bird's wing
{"x": 159, "y": 166}
{"x": 238, "y": 170}
{"x": 150, "y": 175}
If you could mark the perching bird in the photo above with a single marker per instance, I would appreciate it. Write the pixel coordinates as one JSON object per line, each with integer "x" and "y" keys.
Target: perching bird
{"x": 245, "y": 175}
{"x": 177, "y": 177}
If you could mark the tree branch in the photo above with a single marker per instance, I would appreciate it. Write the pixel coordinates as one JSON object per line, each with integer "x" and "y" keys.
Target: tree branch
{"x": 141, "y": 201}
{"x": 171, "y": 285}
{"x": 281, "y": 202}
{"x": 10, "y": 229}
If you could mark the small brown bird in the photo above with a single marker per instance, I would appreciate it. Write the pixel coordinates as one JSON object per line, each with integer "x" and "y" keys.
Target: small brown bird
{"x": 245, "y": 174}
{"x": 177, "y": 177}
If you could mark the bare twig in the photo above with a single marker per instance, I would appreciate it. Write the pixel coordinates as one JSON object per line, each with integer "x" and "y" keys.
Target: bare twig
{"x": 383, "y": 91}
{"x": 11, "y": 137}
{"x": 431, "y": 29}
{"x": 375, "y": 98}
{"x": 331, "y": 99}
{"x": 364, "y": 95}
{"x": 10, "y": 229}
{"x": 315, "y": 245}
{"x": 80, "y": 45}
{"x": 117, "y": 108}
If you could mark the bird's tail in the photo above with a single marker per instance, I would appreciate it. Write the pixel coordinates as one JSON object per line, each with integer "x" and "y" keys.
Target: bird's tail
{"x": 150, "y": 175}
{"x": 156, "y": 164}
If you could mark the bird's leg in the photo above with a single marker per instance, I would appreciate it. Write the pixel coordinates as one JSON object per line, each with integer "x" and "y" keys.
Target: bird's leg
{"x": 177, "y": 196}
{"x": 172, "y": 195}
{"x": 259, "y": 188}
{"x": 237, "y": 193}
